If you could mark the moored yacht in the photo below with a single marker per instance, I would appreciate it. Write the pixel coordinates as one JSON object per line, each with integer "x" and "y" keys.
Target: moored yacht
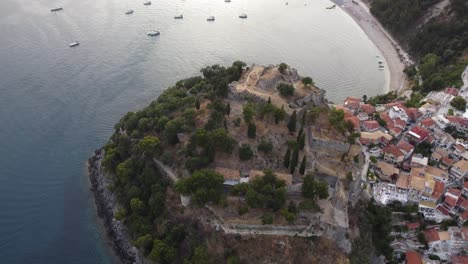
{"x": 179, "y": 16}
{"x": 154, "y": 33}
{"x": 129, "y": 12}
{"x": 243, "y": 16}
{"x": 147, "y": 3}
{"x": 56, "y": 9}
{"x": 210, "y": 18}
{"x": 74, "y": 44}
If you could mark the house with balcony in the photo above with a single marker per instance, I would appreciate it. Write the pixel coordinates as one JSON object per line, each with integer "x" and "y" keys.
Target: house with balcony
{"x": 459, "y": 171}
{"x": 392, "y": 154}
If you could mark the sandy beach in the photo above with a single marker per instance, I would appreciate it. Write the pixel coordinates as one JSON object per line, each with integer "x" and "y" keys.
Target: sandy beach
{"x": 394, "y": 55}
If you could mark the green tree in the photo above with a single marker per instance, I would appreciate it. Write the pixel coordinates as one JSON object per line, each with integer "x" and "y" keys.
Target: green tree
{"x": 242, "y": 209}
{"x": 458, "y": 103}
{"x": 373, "y": 159}
{"x": 285, "y": 89}
{"x": 287, "y": 158}
{"x": 144, "y": 242}
{"x": 150, "y": 146}
{"x": 282, "y": 67}
{"x": 292, "y": 122}
{"x": 307, "y": 81}
{"x": 162, "y": 253}
{"x": 197, "y": 104}
{"x": 248, "y": 112}
{"x": 228, "y": 109}
{"x": 364, "y": 99}
{"x": 200, "y": 256}
{"x": 204, "y": 186}
{"x": 280, "y": 114}
{"x": 313, "y": 189}
{"x": 294, "y": 159}
{"x": 251, "y": 130}
{"x": 450, "y": 112}
{"x": 267, "y": 219}
{"x": 301, "y": 141}
{"x": 428, "y": 65}
{"x": 245, "y": 152}
{"x": 265, "y": 146}
{"x": 269, "y": 100}
{"x": 171, "y": 130}
{"x": 303, "y": 165}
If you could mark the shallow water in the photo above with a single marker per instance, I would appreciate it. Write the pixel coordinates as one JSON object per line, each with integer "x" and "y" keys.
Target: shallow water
{"x": 57, "y": 104}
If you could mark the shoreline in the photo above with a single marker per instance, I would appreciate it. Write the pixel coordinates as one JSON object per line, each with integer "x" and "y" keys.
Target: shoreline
{"x": 105, "y": 205}
{"x": 394, "y": 55}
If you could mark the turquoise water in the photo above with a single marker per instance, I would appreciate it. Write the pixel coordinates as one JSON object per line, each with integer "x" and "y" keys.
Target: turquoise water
{"x": 58, "y": 104}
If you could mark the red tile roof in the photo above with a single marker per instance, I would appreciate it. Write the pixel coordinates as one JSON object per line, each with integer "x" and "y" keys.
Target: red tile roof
{"x": 431, "y": 235}
{"x": 464, "y": 216}
{"x": 465, "y": 184}
{"x": 413, "y": 257}
{"x": 447, "y": 161}
{"x": 459, "y": 147}
{"x": 458, "y": 120}
{"x": 354, "y": 120}
{"x": 413, "y": 225}
{"x": 462, "y": 202}
{"x": 385, "y": 117}
{"x": 442, "y": 210}
{"x": 369, "y": 109}
{"x": 352, "y": 102}
{"x": 420, "y": 132}
{"x": 405, "y": 146}
{"x": 438, "y": 190}
{"x": 392, "y": 149}
{"x": 451, "y": 90}
{"x": 455, "y": 192}
{"x": 370, "y": 125}
{"x": 400, "y": 123}
{"x": 459, "y": 260}
{"x": 450, "y": 201}
{"x": 396, "y": 131}
{"x": 413, "y": 113}
{"x": 428, "y": 122}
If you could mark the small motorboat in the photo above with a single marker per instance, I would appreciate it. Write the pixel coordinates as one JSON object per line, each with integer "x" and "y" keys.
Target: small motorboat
{"x": 147, "y": 3}
{"x": 74, "y": 44}
{"x": 56, "y": 9}
{"x": 331, "y": 7}
{"x": 243, "y": 16}
{"x": 380, "y": 62}
{"x": 154, "y": 33}
{"x": 179, "y": 16}
{"x": 129, "y": 12}
{"x": 227, "y": 1}
{"x": 210, "y": 18}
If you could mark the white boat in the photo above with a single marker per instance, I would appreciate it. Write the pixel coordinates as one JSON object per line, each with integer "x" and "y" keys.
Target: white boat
{"x": 154, "y": 33}
{"x": 243, "y": 16}
{"x": 179, "y": 16}
{"x": 74, "y": 44}
{"x": 227, "y": 1}
{"x": 147, "y": 3}
{"x": 210, "y": 17}
{"x": 129, "y": 12}
{"x": 56, "y": 9}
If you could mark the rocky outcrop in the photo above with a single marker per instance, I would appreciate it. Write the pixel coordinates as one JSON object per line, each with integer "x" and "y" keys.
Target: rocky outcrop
{"x": 106, "y": 206}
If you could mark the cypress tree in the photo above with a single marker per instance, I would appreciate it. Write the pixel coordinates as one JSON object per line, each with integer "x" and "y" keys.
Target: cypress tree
{"x": 197, "y": 104}
{"x": 301, "y": 141}
{"x": 294, "y": 159}
{"x": 269, "y": 100}
{"x": 252, "y": 130}
{"x": 292, "y": 122}
{"x": 287, "y": 158}
{"x": 299, "y": 134}
{"x": 228, "y": 108}
{"x": 303, "y": 165}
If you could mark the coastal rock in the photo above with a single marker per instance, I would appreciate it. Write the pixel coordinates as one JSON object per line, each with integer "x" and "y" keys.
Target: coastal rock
{"x": 105, "y": 203}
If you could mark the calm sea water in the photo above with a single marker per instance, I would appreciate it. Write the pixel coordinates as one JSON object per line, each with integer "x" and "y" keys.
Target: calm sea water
{"x": 58, "y": 104}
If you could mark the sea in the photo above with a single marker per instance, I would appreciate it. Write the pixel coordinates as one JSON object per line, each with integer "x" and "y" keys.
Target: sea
{"x": 58, "y": 104}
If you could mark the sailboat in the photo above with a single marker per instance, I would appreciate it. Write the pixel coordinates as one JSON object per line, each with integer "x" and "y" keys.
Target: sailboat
{"x": 210, "y": 17}
{"x": 154, "y": 32}
{"x": 243, "y": 15}
{"x": 147, "y": 3}
{"x": 56, "y": 9}
{"x": 129, "y": 11}
{"x": 179, "y": 16}
{"x": 74, "y": 44}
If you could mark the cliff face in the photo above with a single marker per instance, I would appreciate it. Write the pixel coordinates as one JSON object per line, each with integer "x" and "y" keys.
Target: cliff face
{"x": 105, "y": 204}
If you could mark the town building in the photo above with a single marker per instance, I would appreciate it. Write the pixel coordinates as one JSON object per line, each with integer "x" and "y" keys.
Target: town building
{"x": 392, "y": 154}
{"x": 459, "y": 170}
